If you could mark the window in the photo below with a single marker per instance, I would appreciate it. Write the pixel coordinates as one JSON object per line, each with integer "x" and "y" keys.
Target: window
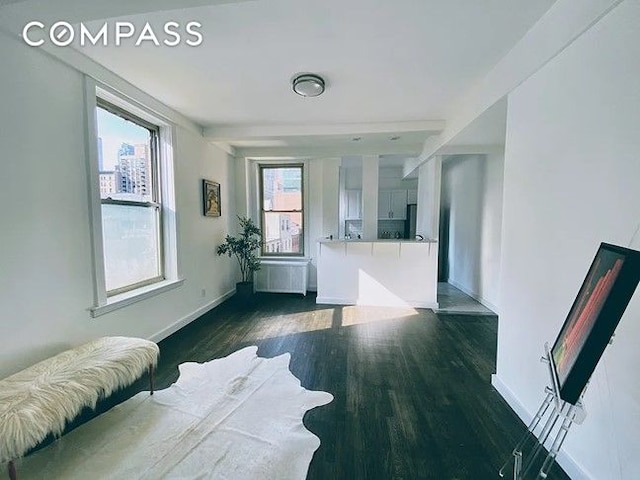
{"x": 130, "y": 200}
{"x": 130, "y": 155}
{"x": 282, "y": 210}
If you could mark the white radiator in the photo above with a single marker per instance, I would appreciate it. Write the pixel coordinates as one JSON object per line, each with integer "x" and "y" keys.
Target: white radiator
{"x": 282, "y": 276}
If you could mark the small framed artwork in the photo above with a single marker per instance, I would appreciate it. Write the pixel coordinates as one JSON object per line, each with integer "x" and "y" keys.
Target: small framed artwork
{"x": 211, "y": 198}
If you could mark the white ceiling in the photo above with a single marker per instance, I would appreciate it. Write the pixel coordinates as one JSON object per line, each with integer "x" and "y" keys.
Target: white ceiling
{"x": 386, "y": 64}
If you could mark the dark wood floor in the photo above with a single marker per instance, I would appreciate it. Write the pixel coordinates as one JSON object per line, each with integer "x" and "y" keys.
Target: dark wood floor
{"x": 413, "y": 398}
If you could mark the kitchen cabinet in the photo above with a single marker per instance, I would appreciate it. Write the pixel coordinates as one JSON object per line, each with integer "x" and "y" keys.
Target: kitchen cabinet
{"x": 412, "y": 197}
{"x": 392, "y": 205}
{"x": 353, "y": 209}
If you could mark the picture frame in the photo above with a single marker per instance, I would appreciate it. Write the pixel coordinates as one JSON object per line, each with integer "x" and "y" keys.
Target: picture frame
{"x": 211, "y": 200}
{"x": 596, "y": 311}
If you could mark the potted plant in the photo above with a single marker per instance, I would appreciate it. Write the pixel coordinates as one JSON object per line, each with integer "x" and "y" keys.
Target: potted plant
{"x": 244, "y": 247}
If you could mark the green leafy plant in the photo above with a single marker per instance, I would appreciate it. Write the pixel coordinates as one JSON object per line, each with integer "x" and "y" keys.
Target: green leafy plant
{"x": 244, "y": 247}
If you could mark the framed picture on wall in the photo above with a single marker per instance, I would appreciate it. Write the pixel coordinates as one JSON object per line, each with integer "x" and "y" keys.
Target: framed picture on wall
{"x": 607, "y": 289}
{"x": 211, "y": 198}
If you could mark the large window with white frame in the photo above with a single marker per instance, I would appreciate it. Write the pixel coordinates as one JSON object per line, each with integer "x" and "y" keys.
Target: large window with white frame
{"x": 282, "y": 212}
{"x": 133, "y": 213}
{"x": 130, "y": 199}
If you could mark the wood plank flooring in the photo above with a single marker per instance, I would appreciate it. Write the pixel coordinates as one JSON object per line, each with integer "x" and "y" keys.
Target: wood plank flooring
{"x": 413, "y": 398}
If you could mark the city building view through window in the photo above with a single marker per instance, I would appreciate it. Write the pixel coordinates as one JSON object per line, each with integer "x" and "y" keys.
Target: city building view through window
{"x": 282, "y": 210}
{"x": 130, "y": 204}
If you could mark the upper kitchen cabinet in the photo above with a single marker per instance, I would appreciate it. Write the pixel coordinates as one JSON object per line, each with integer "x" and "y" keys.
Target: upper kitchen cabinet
{"x": 353, "y": 204}
{"x": 392, "y": 204}
{"x": 393, "y": 189}
{"x": 350, "y": 208}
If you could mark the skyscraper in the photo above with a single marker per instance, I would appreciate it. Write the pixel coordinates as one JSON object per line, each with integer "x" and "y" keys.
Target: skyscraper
{"x": 126, "y": 149}
{"x": 108, "y": 184}
{"x": 133, "y": 171}
{"x": 100, "y": 155}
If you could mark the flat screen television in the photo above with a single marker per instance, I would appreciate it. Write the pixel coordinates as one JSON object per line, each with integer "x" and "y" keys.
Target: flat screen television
{"x": 592, "y": 320}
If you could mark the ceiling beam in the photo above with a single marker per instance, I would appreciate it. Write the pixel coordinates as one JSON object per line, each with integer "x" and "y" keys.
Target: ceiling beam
{"x": 471, "y": 149}
{"x": 328, "y": 151}
{"x": 249, "y": 132}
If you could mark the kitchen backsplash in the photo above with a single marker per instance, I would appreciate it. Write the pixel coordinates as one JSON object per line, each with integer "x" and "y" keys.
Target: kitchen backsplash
{"x": 386, "y": 228}
{"x": 390, "y": 228}
{"x": 353, "y": 228}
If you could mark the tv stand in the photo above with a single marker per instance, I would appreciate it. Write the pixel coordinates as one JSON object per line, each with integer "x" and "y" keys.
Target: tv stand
{"x": 526, "y": 455}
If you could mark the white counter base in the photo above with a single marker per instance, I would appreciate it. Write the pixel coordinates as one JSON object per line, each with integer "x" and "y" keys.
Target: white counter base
{"x": 387, "y": 273}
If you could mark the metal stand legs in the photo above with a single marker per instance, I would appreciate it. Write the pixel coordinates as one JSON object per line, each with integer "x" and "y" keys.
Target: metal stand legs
{"x": 524, "y": 464}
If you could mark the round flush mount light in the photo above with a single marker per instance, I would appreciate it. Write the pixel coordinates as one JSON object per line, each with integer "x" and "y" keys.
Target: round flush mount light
{"x": 308, "y": 85}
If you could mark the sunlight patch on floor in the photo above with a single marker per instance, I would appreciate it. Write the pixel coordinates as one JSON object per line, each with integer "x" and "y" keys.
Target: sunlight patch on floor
{"x": 361, "y": 314}
{"x": 293, "y": 323}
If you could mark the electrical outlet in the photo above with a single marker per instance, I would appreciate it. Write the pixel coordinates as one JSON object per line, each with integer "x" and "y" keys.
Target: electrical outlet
{"x": 203, "y": 292}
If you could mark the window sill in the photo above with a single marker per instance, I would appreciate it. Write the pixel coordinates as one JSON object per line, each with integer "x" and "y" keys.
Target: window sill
{"x": 119, "y": 301}
{"x": 284, "y": 259}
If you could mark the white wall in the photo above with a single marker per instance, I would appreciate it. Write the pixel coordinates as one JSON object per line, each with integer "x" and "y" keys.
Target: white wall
{"x": 45, "y": 259}
{"x": 390, "y": 178}
{"x": 492, "y": 206}
{"x": 471, "y": 206}
{"x": 572, "y": 180}
{"x": 323, "y": 191}
{"x": 370, "y": 173}
{"x": 429, "y": 190}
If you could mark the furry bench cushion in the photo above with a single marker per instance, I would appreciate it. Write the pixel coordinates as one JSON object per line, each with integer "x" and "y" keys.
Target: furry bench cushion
{"x": 39, "y": 400}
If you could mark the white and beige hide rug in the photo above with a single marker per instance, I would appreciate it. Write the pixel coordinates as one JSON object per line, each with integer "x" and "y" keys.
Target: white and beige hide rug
{"x": 238, "y": 417}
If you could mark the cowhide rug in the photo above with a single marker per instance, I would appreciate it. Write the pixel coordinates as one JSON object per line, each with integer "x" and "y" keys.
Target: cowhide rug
{"x": 238, "y": 417}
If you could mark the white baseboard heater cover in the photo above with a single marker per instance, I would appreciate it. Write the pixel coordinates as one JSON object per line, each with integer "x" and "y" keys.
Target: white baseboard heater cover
{"x": 282, "y": 276}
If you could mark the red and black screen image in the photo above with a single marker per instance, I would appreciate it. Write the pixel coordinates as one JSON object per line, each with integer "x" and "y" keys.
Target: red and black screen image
{"x": 596, "y": 311}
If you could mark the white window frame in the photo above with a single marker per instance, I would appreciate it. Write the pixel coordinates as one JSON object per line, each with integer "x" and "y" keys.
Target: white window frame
{"x": 102, "y": 303}
{"x": 251, "y": 174}
{"x": 263, "y": 251}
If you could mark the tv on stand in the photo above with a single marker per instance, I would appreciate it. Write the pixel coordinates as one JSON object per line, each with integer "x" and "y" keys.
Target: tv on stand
{"x": 601, "y": 301}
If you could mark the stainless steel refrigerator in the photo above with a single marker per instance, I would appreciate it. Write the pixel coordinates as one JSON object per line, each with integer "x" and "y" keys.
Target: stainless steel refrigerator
{"x": 410, "y": 223}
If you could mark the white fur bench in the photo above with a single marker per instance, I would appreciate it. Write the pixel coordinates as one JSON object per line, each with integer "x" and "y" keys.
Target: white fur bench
{"x": 41, "y": 399}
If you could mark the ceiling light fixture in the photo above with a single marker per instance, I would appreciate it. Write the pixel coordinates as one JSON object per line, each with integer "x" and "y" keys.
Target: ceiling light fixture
{"x": 308, "y": 85}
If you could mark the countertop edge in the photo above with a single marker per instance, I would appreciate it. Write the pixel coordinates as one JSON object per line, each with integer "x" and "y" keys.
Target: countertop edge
{"x": 381, "y": 240}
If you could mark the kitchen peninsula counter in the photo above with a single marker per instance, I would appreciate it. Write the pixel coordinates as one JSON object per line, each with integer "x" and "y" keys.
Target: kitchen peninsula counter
{"x": 381, "y": 272}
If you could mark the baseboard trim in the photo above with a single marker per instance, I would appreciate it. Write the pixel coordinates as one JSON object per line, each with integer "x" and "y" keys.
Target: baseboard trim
{"x": 566, "y": 461}
{"x": 334, "y": 301}
{"x": 475, "y": 296}
{"x": 174, "y": 327}
{"x": 352, "y": 301}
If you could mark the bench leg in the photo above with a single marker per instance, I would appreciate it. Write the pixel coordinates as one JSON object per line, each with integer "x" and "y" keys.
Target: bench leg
{"x": 151, "y": 379}
{"x": 12, "y": 470}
